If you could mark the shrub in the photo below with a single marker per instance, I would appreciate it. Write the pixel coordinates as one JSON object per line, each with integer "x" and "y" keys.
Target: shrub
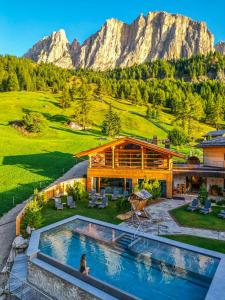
{"x": 203, "y": 194}
{"x": 122, "y": 204}
{"x": 34, "y": 122}
{"x": 33, "y": 217}
{"x": 177, "y": 137}
{"x": 153, "y": 187}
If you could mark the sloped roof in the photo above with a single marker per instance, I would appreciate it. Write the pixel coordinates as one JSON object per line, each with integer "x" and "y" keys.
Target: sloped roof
{"x": 219, "y": 141}
{"x": 133, "y": 141}
{"x": 215, "y": 133}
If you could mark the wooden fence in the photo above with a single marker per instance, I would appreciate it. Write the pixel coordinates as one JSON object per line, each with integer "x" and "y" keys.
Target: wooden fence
{"x": 50, "y": 192}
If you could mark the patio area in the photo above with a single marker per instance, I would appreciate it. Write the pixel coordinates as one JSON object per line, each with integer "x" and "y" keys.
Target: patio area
{"x": 161, "y": 222}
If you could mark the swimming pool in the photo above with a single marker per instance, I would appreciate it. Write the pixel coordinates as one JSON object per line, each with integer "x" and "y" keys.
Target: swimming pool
{"x": 140, "y": 266}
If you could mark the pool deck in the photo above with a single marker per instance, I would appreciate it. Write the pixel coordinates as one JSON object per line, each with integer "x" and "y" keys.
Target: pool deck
{"x": 217, "y": 287}
{"x": 162, "y": 223}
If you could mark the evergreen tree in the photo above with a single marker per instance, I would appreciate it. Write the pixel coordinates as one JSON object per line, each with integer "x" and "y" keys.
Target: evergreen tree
{"x": 81, "y": 112}
{"x": 12, "y": 82}
{"x": 111, "y": 125}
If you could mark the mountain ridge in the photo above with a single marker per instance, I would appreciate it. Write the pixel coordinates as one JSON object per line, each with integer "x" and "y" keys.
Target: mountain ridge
{"x": 157, "y": 35}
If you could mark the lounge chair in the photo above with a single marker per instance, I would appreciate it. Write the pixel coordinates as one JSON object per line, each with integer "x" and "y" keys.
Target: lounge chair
{"x": 104, "y": 202}
{"x": 70, "y": 202}
{"x": 207, "y": 208}
{"x": 115, "y": 195}
{"x": 195, "y": 204}
{"x": 58, "y": 204}
{"x": 222, "y": 214}
{"x": 93, "y": 201}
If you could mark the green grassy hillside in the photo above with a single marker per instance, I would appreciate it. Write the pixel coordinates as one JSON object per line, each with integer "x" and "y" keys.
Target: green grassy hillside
{"x": 28, "y": 162}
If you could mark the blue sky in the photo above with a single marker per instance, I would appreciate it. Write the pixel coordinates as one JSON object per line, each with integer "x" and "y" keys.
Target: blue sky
{"x": 24, "y": 22}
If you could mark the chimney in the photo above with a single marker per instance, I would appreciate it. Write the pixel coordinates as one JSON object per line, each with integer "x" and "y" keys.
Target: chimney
{"x": 155, "y": 140}
{"x": 167, "y": 144}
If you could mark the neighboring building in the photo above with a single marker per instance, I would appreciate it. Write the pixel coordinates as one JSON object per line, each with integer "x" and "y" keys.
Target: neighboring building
{"x": 211, "y": 172}
{"x": 214, "y": 134}
{"x": 125, "y": 162}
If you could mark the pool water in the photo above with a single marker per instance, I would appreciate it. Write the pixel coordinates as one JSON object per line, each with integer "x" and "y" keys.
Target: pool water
{"x": 148, "y": 270}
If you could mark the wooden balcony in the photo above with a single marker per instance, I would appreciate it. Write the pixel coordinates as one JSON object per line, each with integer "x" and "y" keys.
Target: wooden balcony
{"x": 129, "y": 159}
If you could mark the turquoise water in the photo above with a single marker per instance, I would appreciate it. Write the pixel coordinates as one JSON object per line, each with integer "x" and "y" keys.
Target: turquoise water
{"x": 151, "y": 270}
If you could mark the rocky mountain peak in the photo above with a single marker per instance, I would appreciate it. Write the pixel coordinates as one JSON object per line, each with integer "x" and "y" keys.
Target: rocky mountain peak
{"x": 158, "y": 35}
{"x": 220, "y": 47}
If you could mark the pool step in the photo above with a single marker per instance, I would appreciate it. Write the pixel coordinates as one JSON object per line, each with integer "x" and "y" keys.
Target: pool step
{"x": 125, "y": 240}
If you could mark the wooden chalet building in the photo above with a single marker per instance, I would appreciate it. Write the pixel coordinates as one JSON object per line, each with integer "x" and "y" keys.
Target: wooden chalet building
{"x": 211, "y": 173}
{"x": 125, "y": 162}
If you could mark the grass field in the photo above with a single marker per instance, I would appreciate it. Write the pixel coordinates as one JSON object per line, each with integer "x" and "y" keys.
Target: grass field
{"x": 210, "y": 244}
{"x": 28, "y": 162}
{"x": 197, "y": 220}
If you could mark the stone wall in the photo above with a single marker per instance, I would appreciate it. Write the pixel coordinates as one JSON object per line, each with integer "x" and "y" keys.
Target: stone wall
{"x": 55, "y": 286}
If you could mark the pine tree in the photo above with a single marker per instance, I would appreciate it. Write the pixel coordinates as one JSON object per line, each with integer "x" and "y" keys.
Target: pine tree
{"x": 12, "y": 82}
{"x": 111, "y": 125}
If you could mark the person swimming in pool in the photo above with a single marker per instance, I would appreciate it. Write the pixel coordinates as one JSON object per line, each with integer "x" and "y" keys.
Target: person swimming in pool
{"x": 83, "y": 265}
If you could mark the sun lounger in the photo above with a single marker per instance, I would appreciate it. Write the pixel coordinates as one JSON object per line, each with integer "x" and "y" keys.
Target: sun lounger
{"x": 222, "y": 214}
{"x": 70, "y": 202}
{"x": 207, "y": 208}
{"x": 195, "y": 204}
{"x": 58, "y": 204}
{"x": 104, "y": 202}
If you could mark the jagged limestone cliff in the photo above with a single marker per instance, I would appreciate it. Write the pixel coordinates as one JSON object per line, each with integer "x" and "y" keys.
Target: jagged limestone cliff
{"x": 157, "y": 35}
{"x": 220, "y": 47}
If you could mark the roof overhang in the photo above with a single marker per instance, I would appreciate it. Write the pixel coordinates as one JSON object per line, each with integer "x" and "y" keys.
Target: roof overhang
{"x": 123, "y": 140}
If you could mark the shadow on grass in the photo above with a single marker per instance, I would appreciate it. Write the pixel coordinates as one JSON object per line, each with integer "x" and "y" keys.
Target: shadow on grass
{"x": 48, "y": 164}
{"x": 12, "y": 197}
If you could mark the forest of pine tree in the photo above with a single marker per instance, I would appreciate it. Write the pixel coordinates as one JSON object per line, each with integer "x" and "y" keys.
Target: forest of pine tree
{"x": 193, "y": 89}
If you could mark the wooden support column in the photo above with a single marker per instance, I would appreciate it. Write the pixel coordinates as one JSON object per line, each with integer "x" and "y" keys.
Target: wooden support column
{"x": 125, "y": 184}
{"x": 90, "y": 161}
{"x": 169, "y": 186}
{"x": 142, "y": 157}
{"x": 113, "y": 157}
{"x": 89, "y": 184}
{"x": 99, "y": 184}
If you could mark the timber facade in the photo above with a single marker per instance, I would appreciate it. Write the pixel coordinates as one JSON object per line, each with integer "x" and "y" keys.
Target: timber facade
{"x": 126, "y": 162}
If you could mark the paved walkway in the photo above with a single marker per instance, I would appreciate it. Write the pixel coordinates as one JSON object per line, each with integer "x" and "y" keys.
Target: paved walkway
{"x": 162, "y": 223}
{"x": 7, "y": 222}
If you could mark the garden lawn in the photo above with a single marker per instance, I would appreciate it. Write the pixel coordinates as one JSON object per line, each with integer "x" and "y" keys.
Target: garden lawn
{"x": 198, "y": 220}
{"x": 51, "y": 215}
{"x": 210, "y": 244}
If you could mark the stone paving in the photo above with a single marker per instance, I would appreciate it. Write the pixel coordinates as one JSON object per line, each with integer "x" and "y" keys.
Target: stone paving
{"x": 161, "y": 223}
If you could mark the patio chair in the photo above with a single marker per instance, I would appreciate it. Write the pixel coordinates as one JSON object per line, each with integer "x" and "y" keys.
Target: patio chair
{"x": 126, "y": 195}
{"x": 93, "y": 201}
{"x": 102, "y": 193}
{"x": 92, "y": 193}
{"x": 207, "y": 208}
{"x": 195, "y": 204}
{"x": 222, "y": 214}
{"x": 115, "y": 195}
{"x": 58, "y": 204}
{"x": 70, "y": 202}
{"x": 104, "y": 202}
